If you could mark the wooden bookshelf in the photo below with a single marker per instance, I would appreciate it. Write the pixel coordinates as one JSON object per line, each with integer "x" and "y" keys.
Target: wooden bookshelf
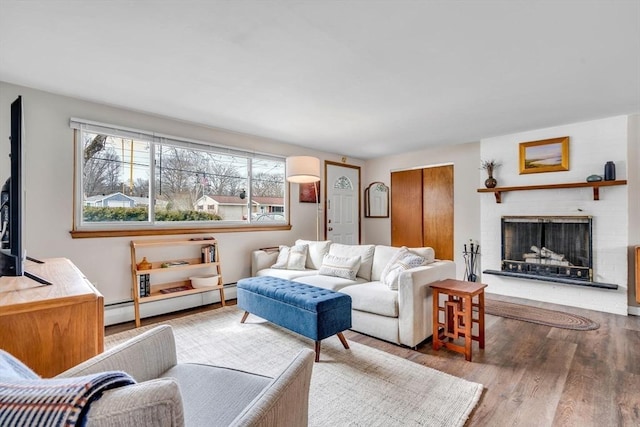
{"x": 192, "y": 266}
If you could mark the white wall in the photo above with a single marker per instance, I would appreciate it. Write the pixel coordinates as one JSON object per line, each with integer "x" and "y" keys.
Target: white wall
{"x": 106, "y": 261}
{"x": 48, "y": 146}
{"x": 466, "y": 161}
{"x": 591, "y": 144}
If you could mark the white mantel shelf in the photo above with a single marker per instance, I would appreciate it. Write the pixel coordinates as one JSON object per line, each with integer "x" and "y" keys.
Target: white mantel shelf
{"x": 497, "y": 191}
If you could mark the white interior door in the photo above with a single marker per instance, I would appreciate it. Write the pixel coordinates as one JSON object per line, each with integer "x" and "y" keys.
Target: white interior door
{"x": 342, "y": 219}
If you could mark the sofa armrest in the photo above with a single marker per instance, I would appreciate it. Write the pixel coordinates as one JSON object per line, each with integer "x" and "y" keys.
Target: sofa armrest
{"x": 262, "y": 258}
{"x": 144, "y": 357}
{"x": 150, "y": 403}
{"x": 285, "y": 402}
{"x": 415, "y": 301}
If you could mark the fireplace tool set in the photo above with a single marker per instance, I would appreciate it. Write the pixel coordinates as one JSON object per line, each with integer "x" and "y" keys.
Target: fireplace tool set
{"x": 470, "y": 261}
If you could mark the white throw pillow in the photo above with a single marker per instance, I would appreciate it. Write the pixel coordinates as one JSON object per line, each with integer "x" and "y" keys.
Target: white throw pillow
{"x": 365, "y": 252}
{"x": 426, "y": 252}
{"x": 385, "y": 271}
{"x": 292, "y": 258}
{"x": 317, "y": 251}
{"x": 337, "y": 266}
{"x": 402, "y": 261}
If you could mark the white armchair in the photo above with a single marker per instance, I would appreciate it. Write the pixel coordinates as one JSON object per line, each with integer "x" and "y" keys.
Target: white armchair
{"x": 171, "y": 394}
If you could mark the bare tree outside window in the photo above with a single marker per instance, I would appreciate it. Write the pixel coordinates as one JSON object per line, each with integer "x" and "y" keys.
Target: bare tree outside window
{"x": 191, "y": 183}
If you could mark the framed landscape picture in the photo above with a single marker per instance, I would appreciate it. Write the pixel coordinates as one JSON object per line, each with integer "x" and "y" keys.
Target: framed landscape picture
{"x": 547, "y": 155}
{"x": 308, "y": 194}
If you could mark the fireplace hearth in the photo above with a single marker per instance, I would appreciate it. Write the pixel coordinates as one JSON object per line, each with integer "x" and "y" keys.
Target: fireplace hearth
{"x": 549, "y": 248}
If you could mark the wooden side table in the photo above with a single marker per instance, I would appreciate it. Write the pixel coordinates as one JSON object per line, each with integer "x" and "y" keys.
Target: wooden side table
{"x": 457, "y": 316}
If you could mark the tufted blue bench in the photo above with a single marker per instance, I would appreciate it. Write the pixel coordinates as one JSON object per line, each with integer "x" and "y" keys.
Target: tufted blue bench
{"x": 311, "y": 311}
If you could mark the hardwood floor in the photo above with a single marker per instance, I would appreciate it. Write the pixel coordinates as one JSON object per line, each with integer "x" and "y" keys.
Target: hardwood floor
{"x": 536, "y": 375}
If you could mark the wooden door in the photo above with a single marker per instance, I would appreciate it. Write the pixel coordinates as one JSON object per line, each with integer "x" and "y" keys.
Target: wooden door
{"x": 437, "y": 210}
{"x": 422, "y": 209}
{"x": 406, "y": 208}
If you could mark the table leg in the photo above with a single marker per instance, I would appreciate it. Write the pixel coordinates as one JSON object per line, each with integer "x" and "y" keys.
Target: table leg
{"x": 481, "y": 319}
{"x": 436, "y": 320}
{"x": 468, "y": 339}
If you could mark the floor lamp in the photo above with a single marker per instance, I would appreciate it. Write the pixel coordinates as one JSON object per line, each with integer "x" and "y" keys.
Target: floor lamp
{"x": 305, "y": 170}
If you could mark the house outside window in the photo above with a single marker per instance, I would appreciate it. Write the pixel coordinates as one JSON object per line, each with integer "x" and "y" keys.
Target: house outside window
{"x": 127, "y": 178}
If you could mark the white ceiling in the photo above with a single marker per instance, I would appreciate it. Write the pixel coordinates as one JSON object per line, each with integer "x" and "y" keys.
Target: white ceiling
{"x": 357, "y": 78}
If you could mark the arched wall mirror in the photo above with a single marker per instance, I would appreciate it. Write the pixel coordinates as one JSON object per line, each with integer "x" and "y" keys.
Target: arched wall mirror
{"x": 376, "y": 200}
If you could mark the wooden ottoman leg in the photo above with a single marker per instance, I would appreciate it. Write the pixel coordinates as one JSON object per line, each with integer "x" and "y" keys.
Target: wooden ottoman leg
{"x": 317, "y": 351}
{"x": 343, "y": 340}
{"x": 244, "y": 316}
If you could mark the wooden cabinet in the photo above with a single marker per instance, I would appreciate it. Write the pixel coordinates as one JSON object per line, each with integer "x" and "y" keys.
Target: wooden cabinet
{"x": 198, "y": 256}
{"x": 51, "y": 327}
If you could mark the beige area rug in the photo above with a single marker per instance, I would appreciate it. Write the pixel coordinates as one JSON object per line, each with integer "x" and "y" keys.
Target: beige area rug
{"x": 541, "y": 316}
{"x": 357, "y": 387}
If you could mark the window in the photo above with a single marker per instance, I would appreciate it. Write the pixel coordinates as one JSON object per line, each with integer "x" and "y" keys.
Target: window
{"x": 136, "y": 179}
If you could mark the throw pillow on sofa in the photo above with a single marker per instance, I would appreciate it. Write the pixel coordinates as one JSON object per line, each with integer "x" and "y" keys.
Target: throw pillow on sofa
{"x": 292, "y": 258}
{"x": 402, "y": 261}
{"x": 317, "y": 251}
{"x": 345, "y": 267}
{"x": 365, "y": 252}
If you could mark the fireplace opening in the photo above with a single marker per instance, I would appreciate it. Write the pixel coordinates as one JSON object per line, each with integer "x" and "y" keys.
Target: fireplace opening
{"x": 550, "y": 248}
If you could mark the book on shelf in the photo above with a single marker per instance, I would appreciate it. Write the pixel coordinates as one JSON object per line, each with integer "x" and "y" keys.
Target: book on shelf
{"x": 144, "y": 285}
{"x": 176, "y": 289}
{"x": 170, "y": 264}
{"x": 208, "y": 254}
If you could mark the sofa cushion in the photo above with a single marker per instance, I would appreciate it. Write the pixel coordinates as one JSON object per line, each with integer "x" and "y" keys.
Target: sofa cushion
{"x": 373, "y": 297}
{"x": 427, "y": 253}
{"x": 402, "y": 261}
{"x": 317, "y": 251}
{"x": 345, "y": 267}
{"x": 329, "y": 282}
{"x": 286, "y": 274}
{"x": 383, "y": 254}
{"x": 228, "y": 392}
{"x": 292, "y": 258}
{"x": 365, "y": 252}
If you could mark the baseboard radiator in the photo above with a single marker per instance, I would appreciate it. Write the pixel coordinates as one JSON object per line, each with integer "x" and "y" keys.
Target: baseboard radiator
{"x": 123, "y": 311}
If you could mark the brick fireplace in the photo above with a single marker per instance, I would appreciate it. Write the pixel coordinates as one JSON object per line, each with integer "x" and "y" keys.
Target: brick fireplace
{"x": 591, "y": 144}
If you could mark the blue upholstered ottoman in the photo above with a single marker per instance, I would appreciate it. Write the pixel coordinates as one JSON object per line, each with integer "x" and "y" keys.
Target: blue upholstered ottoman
{"x": 311, "y": 311}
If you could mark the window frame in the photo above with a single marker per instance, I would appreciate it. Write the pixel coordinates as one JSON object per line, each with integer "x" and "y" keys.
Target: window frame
{"x": 81, "y": 229}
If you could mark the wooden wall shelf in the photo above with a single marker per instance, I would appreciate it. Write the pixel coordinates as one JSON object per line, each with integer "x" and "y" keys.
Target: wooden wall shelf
{"x": 497, "y": 191}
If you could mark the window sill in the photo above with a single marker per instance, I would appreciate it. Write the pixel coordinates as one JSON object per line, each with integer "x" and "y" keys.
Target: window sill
{"x": 87, "y": 234}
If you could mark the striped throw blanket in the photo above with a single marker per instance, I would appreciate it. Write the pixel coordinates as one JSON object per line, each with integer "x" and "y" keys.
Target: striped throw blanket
{"x": 26, "y": 400}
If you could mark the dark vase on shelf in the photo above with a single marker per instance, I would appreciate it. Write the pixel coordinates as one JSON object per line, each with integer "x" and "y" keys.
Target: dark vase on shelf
{"x": 491, "y": 181}
{"x": 610, "y": 171}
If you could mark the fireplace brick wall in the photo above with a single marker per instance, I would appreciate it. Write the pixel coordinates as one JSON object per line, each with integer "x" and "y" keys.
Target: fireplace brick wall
{"x": 591, "y": 144}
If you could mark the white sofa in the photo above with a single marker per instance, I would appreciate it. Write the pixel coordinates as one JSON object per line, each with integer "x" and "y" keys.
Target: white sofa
{"x": 402, "y": 316}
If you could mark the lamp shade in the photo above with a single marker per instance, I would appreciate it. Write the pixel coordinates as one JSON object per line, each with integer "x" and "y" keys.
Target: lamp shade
{"x": 303, "y": 169}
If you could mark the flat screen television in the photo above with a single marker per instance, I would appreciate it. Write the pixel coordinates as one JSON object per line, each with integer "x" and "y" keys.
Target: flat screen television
{"x": 12, "y": 254}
